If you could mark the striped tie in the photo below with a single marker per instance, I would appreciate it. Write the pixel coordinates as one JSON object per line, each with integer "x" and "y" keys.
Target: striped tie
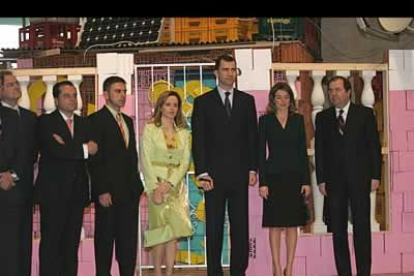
{"x": 341, "y": 122}
{"x": 121, "y": 129}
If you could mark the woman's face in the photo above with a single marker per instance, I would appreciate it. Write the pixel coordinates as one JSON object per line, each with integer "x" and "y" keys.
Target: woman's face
{"x": 170, "y": 108}
{"x": 282, "y": 100}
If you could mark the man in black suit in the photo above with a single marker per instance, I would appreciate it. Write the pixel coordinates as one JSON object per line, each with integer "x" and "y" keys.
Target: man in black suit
{"x": 62, "y": 185}
{"x": 116, "y": 183}
{"x": 348, "y": 168}
{"x": 16, "y": 199}
{"x": 224, "y": 127}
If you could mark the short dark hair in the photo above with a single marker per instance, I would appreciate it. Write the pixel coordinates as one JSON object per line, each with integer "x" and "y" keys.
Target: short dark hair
{"x": 227, "y": 58}
{"x": 345, "y": 81}
{"x": 57, "y": 86}
{"x": 271, "y": 107}
{"x": 111, "y": 80}
{"x": 3, "y": 74}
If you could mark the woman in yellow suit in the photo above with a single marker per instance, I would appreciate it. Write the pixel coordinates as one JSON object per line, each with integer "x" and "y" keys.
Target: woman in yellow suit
{"x": 165, "y": 157}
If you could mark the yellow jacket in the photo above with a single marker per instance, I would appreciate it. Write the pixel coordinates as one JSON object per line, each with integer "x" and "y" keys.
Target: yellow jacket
{"x": 155, "y": 156}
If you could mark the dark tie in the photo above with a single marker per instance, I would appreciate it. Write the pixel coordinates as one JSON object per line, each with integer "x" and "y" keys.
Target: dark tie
{"x": 227, "y": 104}
{"x": 341, "y": 122}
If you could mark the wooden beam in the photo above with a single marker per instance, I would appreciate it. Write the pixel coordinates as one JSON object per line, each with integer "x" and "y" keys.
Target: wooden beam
{"x": 55, "y": 71}
{"x": 330, "y": 66}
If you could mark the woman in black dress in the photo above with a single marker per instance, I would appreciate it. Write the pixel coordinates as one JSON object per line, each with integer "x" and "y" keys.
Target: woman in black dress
{"x": 284, "y": 174}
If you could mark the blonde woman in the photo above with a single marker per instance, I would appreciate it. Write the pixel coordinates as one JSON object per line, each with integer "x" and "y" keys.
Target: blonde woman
{"x": 165, "y": 160}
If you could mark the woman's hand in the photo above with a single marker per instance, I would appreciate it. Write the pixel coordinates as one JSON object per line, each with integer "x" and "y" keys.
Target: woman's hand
{"x": 157, "y": 197}
{"x": 263, "y": 192}
{"x": 164, "y": 187}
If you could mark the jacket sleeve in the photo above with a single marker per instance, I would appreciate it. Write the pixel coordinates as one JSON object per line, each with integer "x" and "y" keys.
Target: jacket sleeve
{"x": 252, "y": 134}
{"x": 199, "y": 141}
{"x": 97, "y": 167}
{"x": 147, "y": 145}
{"x": 374, "y": 144}
{"x": 303, "y": 152}
{"x": 262, "y": 151}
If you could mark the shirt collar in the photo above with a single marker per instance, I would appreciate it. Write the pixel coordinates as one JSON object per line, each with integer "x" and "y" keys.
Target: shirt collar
{"x": 16, "y": 107}
{"x": 64, "y": 116}
{"x": 222, "y": 91}
{"x": 112, "y": 110}
{"x": 345, "y": 109}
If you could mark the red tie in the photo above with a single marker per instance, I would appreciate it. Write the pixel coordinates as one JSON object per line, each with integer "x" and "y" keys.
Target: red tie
{"x": 69, "y": 124}
{"x": 119, "y": 121}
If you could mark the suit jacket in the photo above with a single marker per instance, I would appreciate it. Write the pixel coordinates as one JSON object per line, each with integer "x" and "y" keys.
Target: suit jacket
{"x": 287, "y": 148}
{"x": 355, "y": 156}
{"x": 62, "y": 168}
{"x": 224, "y": 147}
{"x": 21, "y": 153}
{"x": 156, "y": 157}
{"x": 8, "y": 135}
{"x": 114, "y": 168}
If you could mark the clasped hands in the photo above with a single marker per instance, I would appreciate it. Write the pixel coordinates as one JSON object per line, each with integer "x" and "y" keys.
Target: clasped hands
{"x": 161, "y": 192}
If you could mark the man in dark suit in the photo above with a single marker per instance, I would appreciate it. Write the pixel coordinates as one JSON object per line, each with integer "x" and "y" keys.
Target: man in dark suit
{"x": 224, "y": 127}
{"x": 116, "y": 183}
{"x": 62, "y": 185}
{"x": 16, "y": 201}
{"x": 348, "y": 168}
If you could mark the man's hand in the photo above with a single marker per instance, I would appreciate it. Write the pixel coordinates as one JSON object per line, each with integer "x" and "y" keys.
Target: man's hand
{"x": 374, "y": 184}
{"x": 306, "y": 190}
{"x": 322, "y": 188}
{"x": 207, "y": 183}
{"x": 6, "y": 181}
{"x": 252, "y": 178}
{"x": 264, "y": 192}
{"x": 58, "y": 139}
{"x": 105, "y": 199}
{"x": 92, "y": 147}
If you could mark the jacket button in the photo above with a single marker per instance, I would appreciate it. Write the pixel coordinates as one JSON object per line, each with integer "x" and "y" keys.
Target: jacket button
{"x": 170, "y": 157}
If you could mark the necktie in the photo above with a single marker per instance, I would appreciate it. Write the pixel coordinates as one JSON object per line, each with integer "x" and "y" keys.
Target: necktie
{"x": 69, "y": 124}
{"x": 227, "y": 104}
{"x": 341, "y": 122}
{"x": 121, "y": 129}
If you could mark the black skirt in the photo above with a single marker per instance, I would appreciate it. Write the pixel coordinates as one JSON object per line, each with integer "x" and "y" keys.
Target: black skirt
{"x": 284, "y": 206}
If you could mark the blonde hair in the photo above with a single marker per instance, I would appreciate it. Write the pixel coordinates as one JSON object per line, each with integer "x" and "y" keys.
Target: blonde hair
{"x": 157, "y": 114}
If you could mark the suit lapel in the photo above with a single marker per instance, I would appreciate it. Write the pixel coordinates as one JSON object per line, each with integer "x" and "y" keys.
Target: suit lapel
{"x": 350, "y": 117}
{"x": 112, "y": 121}
{"x": 220, "y": 106}
{"x": 61, "y": 126}
{"x": 77, "y": 128}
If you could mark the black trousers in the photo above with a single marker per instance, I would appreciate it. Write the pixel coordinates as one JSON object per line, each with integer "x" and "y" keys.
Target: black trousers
{"x": 60, "y": 226}
{"x": 116, "y": 224}
{"x": 16, "y": 239}
{"x": 357, "y": 196}
{"x": 236, "y": 198}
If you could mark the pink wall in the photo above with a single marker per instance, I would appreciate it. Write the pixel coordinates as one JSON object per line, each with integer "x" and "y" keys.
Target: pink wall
{"x": 393, "y": 251}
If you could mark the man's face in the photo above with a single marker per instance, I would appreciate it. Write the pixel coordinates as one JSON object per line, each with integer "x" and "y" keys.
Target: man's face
{"x": 116, "y": 95}
{"x": 226, "y": 73}
{"x": 11, "y": 91}
{"x": 66, "y": 101}
{"x": 338, "y": 95}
